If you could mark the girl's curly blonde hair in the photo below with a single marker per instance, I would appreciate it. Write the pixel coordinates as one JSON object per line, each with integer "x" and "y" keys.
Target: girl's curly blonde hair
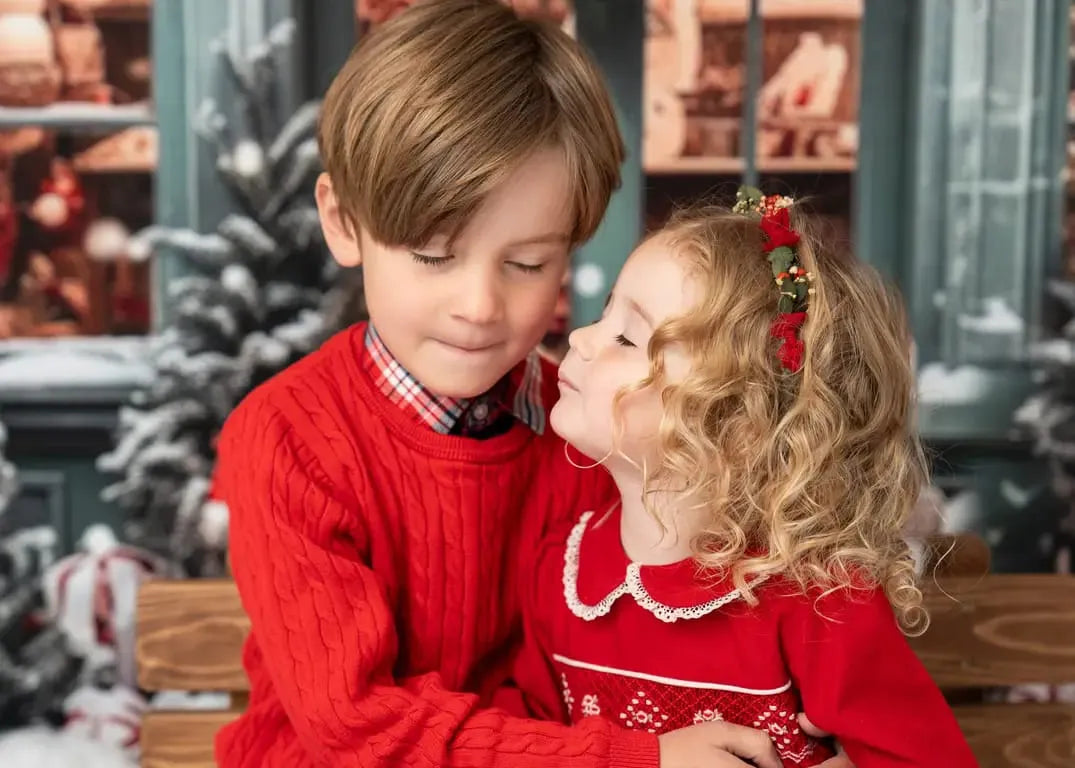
{"x": 810, "y": 475}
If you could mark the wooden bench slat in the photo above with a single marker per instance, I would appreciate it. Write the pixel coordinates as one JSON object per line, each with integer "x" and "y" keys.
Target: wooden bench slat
{"x": 190, "y": 636}
{"x": 1000, "y": 630}
{"x": 181, "y": 739}
{"x": 1031, "y": 735}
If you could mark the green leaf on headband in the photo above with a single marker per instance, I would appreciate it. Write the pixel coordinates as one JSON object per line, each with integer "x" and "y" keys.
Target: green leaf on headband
{"x": 786, "y": 304}
{"x": 747, "y": 198}
{"x": 781, "y": 258}
{"x": 801, "y": 292}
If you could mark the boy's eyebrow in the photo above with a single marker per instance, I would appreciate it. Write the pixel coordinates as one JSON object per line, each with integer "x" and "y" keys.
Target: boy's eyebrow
{"x": 551, "y": 237}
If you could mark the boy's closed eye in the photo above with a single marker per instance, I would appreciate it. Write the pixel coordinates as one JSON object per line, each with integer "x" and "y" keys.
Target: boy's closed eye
{"x": 431, "y": 261}
{"x": 428, "y": 260}
{"x": 529, "y": 269}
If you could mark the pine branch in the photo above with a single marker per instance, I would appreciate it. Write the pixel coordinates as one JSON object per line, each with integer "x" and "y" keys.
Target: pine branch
{"x": 192, "y": 497}
{"x": 53, "y": 664}
{"x": 16, "y": 603}
{"x": 200, "y": 369}
{"x": 288, "y": 296}
{"x": 246, "y": 234}
{"x": 298, "y": 129}
{"x": 16, "y": 680}
{"x": 211, "y": 125}
{"x": 221, "y": 321}
{"x": 240, "y": 282}
{"x": 304, "y": 333}
{"x": 304, "y": 226}
{"x": 237, "y": 75}
{"x": 143, "y": 428}
{"x": 307, "y": 163}
{"x": 262, "y": 350}
{"x": 212, "y": 251}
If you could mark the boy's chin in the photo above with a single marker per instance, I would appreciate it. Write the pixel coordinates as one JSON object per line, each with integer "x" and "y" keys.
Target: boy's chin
{"x": 457, "y": 385}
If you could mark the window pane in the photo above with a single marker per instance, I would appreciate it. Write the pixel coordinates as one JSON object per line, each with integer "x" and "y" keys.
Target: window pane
{"x": 806, "y": 132}
{"x": 76, "y": 165}
{"x": 694, "y": 85}
{"x": 808, "y": 105}
{"x": 369, "y": 13}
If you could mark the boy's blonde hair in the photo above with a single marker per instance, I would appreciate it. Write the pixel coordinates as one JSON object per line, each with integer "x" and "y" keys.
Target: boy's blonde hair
{"x": 809, "y": 475}
{"x": 441, "y": 103}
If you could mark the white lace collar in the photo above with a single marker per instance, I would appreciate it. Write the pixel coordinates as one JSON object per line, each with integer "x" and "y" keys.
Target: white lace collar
{"x": 632, "y": 582}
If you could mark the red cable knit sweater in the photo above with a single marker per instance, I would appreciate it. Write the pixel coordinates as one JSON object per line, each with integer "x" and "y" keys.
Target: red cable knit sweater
{"x": 379, "y": 563}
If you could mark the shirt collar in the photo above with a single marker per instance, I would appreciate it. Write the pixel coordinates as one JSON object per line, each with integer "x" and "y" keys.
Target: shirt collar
{"x": 597, "y": 573}
{"x": 519, "y": 391}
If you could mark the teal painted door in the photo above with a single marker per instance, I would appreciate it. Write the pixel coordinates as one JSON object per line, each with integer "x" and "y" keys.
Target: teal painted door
{"x": 613, "y": 35}
{"x": 960, "y": 189}
{"x": 959, "y": 201}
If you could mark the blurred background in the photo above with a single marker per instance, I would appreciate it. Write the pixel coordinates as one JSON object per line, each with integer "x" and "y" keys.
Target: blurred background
{"x": 159, "y": 257}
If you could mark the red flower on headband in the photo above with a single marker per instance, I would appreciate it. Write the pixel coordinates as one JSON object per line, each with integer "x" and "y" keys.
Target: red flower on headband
{"x": 786, "y": 328}
{"x": 778, "y": 231}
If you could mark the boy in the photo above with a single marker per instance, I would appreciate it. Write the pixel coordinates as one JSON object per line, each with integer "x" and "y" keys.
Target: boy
{"x": 379, "y": 489}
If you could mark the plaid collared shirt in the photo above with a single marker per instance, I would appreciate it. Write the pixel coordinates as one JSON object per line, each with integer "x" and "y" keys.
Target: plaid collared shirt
{"x": 518, "y": 393}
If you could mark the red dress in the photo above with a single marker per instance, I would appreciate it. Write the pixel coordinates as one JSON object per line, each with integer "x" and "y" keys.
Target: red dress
{"x": 656, "y": 648}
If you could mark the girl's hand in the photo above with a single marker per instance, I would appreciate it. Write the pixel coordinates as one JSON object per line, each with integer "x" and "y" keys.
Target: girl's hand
{"x": 718, "y": 745}
{"x": 841, "y": 760}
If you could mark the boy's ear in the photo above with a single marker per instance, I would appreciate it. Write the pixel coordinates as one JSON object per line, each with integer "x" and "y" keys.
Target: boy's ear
{"x": 341, "y": 238}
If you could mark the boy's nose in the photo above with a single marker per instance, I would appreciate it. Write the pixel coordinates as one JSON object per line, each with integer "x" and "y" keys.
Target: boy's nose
{"x": 480, "y": 301}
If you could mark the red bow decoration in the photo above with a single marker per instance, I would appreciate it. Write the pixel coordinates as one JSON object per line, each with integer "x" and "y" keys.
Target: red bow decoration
{"x": 786, "y": 328}
{"x": 778, "y": 231}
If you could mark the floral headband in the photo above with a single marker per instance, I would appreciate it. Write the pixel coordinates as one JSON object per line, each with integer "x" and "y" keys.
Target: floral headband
{"x": 792, "y": 279}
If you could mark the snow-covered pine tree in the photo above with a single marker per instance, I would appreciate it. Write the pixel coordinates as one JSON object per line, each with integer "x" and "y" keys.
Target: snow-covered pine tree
{"x": 1049, "y": 416}
{"x": 36, "y": 669}
{"x": 257, "y": 299}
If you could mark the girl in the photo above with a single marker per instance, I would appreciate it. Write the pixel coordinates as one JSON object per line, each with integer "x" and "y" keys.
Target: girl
{"x": 763, "y": 446}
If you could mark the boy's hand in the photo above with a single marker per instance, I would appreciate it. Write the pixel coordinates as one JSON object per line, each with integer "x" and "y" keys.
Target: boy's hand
{"x": 841, "y": 760}
{"x": 718, "y": 745}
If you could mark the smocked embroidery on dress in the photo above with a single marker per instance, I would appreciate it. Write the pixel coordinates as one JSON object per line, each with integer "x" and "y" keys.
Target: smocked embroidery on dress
{"x": 657, "y": 703}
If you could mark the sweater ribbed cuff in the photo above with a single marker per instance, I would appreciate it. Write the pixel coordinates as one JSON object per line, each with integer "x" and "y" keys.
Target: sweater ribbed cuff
{"x": 631, "y": 749}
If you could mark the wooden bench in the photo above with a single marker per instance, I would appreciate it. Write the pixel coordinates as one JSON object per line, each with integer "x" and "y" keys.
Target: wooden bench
{"x": 189, "y": 638}
{"x": 988, "y": 630}
{"x": 999, "y": 631}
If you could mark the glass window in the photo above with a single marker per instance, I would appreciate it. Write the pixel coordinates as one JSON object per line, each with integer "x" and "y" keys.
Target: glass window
{"x": 77, "y": 154}
{"x": 369, "y": 13}
{"x": 805, "y": 132}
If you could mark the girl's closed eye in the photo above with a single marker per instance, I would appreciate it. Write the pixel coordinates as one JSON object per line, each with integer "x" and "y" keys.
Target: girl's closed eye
{"x": 623, "y": 341}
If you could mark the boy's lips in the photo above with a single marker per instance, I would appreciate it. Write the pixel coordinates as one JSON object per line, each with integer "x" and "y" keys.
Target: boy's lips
{"x": 469, "y": 349}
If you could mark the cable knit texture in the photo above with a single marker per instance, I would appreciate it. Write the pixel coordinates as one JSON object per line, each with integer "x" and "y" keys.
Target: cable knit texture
{"x": 380, "y": 563}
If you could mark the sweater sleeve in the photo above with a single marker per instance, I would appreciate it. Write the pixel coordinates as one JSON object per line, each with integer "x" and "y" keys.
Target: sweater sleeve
{"x": 325, "y": 626}
{"x": 860, "y": 680}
